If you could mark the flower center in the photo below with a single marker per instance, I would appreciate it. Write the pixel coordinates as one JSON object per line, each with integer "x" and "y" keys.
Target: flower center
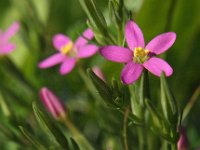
{"x": 140, "y": 55}
{"x": 67, "y": 48}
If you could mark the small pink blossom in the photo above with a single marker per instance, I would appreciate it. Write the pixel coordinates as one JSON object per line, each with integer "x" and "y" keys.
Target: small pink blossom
{"x": 99, "y": 73}
{"x": 52, "y": 103}
{"x": 6, "y": 46}
{"x": 69, "y": 52}
{"x": 183, "y": 143}
{"x": 139, "y": 56}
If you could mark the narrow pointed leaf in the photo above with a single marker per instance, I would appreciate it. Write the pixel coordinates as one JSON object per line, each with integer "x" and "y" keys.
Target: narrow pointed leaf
{"x": 31, "y": 139}
{"x": 50, "y": 127}
{"x": 103, "y": 89}
{"x": 144, "y": 90}
{"x": 171, "y": 100}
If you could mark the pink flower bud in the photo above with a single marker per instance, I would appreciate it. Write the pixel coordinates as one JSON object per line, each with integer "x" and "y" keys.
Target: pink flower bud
{"x": 52, "y": 103}
{"x": 99, "y": 73}
{"x": 183, "y": 143}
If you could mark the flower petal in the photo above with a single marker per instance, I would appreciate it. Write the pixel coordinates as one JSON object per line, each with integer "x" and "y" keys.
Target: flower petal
{"x": 161, "y": 42}
{"x": 87, "y": 51}
{"x": 156, "y": 66}
{"x": 52, "y": 61}
{"x": 12, "y": 30}
{"x": 52, "y": 103}
{"x": 134, "y": 35}
{"x": 99, "y": 73}
{"x": 82, "y": 40}
{"x": 117, "y": 54}
{"x": 67, "y": 66}
{"x": 7, "y": 48}
{"x": 60, "y": 40}
{"x": 131, "y": 72}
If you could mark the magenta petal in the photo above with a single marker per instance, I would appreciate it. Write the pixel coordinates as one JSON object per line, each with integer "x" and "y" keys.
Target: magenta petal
{"x": 161, "y": 42}
{"x": 52, "y": 103}
{"x": 131, "y": 72}
{"x": 12, "y": 30}
{"x": 52, "y": 61}
{"x": 67, "y": 66}
{"x": 60, "y": 40}
{"x": 156, "y": 66}
{"x": 88, "y": 33}
{"x": 99, "y": 73}
{"x": 87, "y": 51}
{"x": 117, "y": 54}
{"x": 7, "y": 48}
{"x": 82, "y": 40}
{"x": 134, "y": 35}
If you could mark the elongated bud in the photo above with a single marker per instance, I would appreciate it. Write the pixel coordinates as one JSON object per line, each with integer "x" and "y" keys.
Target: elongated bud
{"x": 52, "y": 103}
{"x": 183, "y": 143}
{"x": 99, "y": 73}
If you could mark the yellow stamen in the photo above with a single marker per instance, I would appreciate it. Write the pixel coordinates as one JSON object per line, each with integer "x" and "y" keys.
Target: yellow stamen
{"x": 67, "y": 48}
{"x": 140, "y": 54}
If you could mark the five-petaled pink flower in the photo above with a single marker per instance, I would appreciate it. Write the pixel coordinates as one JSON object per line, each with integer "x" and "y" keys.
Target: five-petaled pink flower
{"x": 138, "y": 55}
{"x": 69, "y": 52}
{"x": 5, "y": 46}
{"x": 52, "y": 103}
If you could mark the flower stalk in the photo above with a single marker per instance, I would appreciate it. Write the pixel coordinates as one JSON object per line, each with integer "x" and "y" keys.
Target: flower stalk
{"x": 125, "y": 137}
{"x": 76, "y": 134}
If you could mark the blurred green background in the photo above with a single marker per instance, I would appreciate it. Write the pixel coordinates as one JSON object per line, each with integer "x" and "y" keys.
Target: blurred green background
{"x": 41, "y": 19}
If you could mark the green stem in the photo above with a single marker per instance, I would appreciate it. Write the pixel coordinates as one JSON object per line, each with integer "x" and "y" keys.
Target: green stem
{"x": 126, "y": 114}
{"x": 165, "y": 145}
{"x": 142, "y": 138}
{"x": 173, "y": 146}
{"x": 120, "y": 35}
{"x": 77, "y": 135}
{"x": 191, "y": 102}
{"x": 144, "y": 93}
{"x": 144, "y": 88}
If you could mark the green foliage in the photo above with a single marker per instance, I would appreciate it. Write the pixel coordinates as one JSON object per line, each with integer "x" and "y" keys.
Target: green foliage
{"x": 22, "y": 127}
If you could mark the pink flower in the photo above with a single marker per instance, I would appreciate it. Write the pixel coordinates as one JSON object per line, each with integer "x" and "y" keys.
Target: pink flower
{"x": 183, "y": 143}
{"x": 138, "y": 55}
{"x": 99, "y": 73}
{"x": 5, "y": 46}
{"x": 69, "y": 52}
{"x": 52, "y": 103}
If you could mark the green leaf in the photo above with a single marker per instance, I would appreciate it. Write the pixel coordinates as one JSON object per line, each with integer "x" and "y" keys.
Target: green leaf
{"x": 104, "y": 90}
{"x": 121, "y": 95}
{"x": 160, "y": 124}
{"x": 75, "y": 145}
{"x": 50, "y": 128}
{"x": 4, "y": 107}
{"x": 94, "y": 15}
{"x": 168, "y": 98}
{"x": 135, "y": 104}
{"x": 31, "y": 139}
{"x": 97, "y": 21}
{"x": 42, "y": 9}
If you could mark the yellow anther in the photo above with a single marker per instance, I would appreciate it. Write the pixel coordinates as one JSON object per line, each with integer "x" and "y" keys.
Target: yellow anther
{"x": 146, "y": 51}
{"x": 140, "y": 54}
{"x": 67, "y": 48}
